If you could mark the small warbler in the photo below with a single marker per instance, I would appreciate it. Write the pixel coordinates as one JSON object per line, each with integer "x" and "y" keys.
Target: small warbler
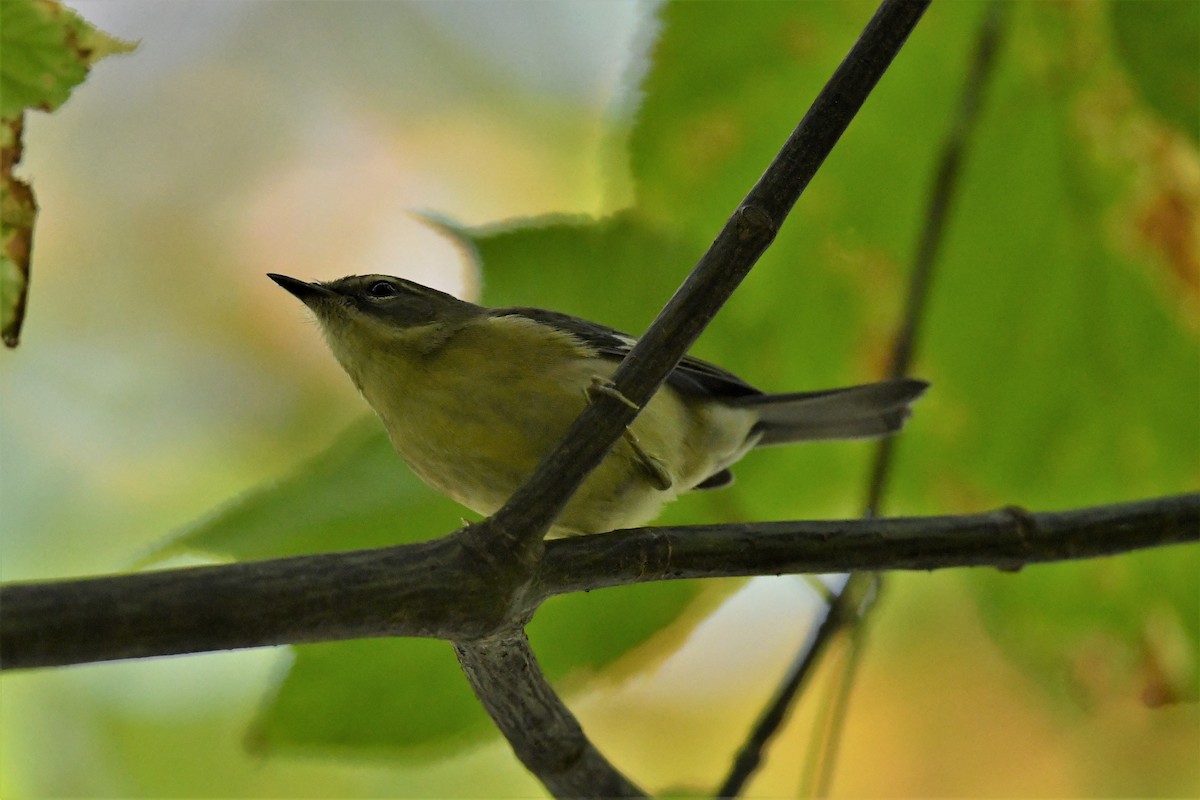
{"x": 473, "y": 398}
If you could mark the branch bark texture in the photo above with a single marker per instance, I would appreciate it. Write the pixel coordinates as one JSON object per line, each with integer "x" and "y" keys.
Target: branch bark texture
{"x": 440, "y": 589}
{"x": 544, "y": 734}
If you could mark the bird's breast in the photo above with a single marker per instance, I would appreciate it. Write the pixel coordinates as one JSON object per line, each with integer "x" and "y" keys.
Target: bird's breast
{"x": 475, "y": 418}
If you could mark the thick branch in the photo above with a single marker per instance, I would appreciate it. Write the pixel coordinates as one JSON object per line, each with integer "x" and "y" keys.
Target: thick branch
{"x": 542, "y": 731}
{"x": 439, "y": 589}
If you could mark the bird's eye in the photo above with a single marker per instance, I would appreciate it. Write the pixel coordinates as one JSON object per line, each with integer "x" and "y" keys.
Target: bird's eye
{"x": 381, "y": 289}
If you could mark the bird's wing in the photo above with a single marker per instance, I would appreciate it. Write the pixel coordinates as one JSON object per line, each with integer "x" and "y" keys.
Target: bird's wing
{"x": 692, "y": 376}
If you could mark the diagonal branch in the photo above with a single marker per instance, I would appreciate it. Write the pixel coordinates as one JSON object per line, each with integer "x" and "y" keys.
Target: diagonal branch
{"x": 749, "y": 758}
{"x": 937, "y": 215}
{"x": 738, "y": 246}
{"x": 432, "y": 590}
{"x": 544, "y": 734}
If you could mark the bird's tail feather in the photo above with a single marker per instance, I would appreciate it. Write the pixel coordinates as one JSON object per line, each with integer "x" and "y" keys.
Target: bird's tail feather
{"x": 855, "y": 412}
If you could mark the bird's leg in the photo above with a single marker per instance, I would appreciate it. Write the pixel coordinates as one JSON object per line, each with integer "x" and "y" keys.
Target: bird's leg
{"x": 654, "y": 468}
{"x": 604, "y": 386}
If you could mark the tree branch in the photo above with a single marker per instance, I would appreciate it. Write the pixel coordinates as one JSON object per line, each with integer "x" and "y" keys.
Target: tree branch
{"x": 738, "y": 246}
{"x": 1008, "y": 539}
{"x": 438, "y": 589}
{"x": 542, "y": 731}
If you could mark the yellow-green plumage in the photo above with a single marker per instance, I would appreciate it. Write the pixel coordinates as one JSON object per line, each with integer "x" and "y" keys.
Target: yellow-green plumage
{"x": 473, "y": 398}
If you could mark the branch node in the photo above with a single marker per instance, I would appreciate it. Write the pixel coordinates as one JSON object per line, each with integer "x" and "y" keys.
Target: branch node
{"x": 509, "y": 562}
{"x": 1026, "y": 529}
{"x": 755, "y": 224}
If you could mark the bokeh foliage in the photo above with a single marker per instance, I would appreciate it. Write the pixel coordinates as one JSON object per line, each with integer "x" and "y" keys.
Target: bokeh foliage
{"x": 1061, "y": 339}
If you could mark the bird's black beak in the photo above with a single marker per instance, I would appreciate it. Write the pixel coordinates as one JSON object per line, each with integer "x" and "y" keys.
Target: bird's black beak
{"x": 307, "y": 292}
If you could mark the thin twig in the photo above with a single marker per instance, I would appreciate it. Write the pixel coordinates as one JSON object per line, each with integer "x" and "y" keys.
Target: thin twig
{"x": 829, "y": 737}
{"x": 937, "y": 214}
{"x": 987, "y": 43}
{"x": 750, "y": 756}
{"x": 838, "y": 615}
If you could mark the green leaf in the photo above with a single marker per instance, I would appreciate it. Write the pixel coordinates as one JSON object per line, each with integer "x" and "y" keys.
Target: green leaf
{"x": 722, "y": 96}
{"x": 403, "y": 696}
{"x": 1159, "y": 42}
{"x": 1066, "y": 376}
{"x": 556, "y": 262}
{"x": 48, "y": 50}
{"x": 578, "y": 636}
{"x": 356, "y": 494}
{"x": 1123, "y": 627}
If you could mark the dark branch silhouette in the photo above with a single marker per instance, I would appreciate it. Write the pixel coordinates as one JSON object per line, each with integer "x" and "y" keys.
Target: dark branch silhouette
{"x": 544, "y": 734}
{"x": 742, "y": 240}
{"x": 435, "y": 590}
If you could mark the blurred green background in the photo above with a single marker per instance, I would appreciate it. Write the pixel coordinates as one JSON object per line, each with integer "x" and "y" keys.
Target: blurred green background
{"x": 161, "y": 374}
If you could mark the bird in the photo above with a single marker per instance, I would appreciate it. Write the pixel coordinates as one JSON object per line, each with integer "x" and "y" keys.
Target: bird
{"x": 472, "y": 398}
